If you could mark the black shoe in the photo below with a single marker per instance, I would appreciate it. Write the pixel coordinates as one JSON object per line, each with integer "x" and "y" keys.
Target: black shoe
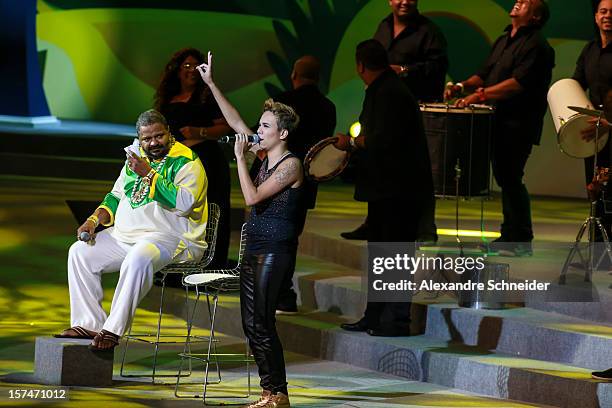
{"x": 428, "y": 239}
{"x": 602, "y": 375}
{"x": 358, "y": 326}
{"x": 388, "y": 332}
{"x": 360, "y": 233}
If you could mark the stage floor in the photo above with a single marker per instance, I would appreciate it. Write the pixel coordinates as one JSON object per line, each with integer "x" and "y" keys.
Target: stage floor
{"x": 37, "y": 228}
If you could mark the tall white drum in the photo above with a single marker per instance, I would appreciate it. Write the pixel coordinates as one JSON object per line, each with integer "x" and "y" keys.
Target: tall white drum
{"x": 568, "y": 123}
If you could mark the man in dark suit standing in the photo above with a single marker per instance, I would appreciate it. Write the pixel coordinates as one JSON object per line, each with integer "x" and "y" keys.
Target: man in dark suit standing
{"x": 397, "y": 176}
{"x": 317, "y": 121}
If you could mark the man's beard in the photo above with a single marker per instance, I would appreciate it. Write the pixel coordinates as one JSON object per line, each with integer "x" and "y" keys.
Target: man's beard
{"x": 159, "y": 154}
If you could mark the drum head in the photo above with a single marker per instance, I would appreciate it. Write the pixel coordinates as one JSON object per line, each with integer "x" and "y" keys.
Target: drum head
{"x": 571, "y": 142}
{"x": 451, "y": 109}
{"x": 324, "y": 161}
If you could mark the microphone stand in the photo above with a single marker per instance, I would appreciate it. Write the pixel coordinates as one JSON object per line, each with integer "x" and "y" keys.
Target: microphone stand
{"x": 593, "y": 223}
{"x": 457, "y": 178}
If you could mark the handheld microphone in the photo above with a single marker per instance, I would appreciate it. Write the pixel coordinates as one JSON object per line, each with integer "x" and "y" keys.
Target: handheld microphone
{"x": 232, "y": 138}
{"x": 84, "y": 236}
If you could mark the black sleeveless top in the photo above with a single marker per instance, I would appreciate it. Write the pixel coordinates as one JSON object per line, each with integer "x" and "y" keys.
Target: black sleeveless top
{"x": 271, "y": 227}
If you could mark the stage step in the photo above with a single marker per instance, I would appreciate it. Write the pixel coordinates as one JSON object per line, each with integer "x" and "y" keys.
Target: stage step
{"x": 329, "y": 247}
{"x": 429, "y": 359}
{"x": 85, "y": 168}
{"x": 521, "y": 354}
{"x": 524, "y": 332}
{"x": 324, "y": 383}
{"x": 599, "y": 311}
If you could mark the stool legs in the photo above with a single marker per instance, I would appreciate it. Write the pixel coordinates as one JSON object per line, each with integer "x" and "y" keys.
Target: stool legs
{"x": 156, "y": 342}
{"x": 211, "y": 356}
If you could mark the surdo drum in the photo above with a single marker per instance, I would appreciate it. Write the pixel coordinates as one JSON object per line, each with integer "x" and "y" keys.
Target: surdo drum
{"x": 459, "y": 141}
{"x": 568, "y": 123}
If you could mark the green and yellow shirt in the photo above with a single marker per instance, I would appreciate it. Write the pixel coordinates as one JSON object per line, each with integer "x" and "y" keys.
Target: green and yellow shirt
{"x": 175, "y": 206}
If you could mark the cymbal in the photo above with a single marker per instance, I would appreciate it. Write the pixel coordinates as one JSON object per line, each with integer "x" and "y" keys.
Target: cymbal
{"x": 586, "y": 111}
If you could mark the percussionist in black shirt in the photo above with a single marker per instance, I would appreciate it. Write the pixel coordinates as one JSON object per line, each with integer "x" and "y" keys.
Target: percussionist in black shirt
{"x": 416, "y": 49}
{"x": 594, "y": 72}
{"x": 515, "y": 78}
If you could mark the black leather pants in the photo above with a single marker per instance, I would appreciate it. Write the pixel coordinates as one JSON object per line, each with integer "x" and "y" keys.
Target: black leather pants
{"x": 260, "y": 280}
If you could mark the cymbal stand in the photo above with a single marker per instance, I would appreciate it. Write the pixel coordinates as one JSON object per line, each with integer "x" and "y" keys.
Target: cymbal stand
{"x": 592, "y": 223}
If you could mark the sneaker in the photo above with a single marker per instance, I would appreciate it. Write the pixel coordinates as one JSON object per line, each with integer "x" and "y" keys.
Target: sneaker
{"x": 361, "y": 233}
{"x": 278, "y": 400}
{"x": 265, "y": 397}
{"x": 602, "y": 375}
{"x": 493, "y": 246}
{"x": 516, "y": 249}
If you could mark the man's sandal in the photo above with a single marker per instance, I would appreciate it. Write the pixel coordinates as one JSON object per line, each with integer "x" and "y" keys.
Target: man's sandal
{"x": 76, "y": 332}
{"x": 104, "y": 341}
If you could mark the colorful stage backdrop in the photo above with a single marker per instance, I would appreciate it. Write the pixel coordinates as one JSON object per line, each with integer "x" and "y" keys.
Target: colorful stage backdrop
{"x": 101, "y": 59}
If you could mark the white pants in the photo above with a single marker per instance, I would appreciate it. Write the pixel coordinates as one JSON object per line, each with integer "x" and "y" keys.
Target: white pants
{"x": 136, "y": 264}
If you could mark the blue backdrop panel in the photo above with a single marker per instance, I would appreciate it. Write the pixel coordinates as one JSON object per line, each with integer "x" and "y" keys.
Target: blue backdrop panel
{"x": 20, "y": 81}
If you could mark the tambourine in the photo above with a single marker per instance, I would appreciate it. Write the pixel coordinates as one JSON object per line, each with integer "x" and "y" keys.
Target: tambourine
{"x": 324, "y": 161}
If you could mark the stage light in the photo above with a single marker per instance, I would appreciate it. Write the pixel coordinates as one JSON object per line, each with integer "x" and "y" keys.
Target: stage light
{"x": 355, "y": 129}
{"x": 468, "y": 233}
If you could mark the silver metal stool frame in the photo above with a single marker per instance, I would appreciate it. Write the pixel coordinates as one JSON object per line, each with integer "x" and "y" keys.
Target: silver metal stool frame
{"x": 212, "y": 285}
{"x": 185, "y": 268}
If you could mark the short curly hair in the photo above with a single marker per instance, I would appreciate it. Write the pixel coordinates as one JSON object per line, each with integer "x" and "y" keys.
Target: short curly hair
{"x": 148, "y": 118}
{"x": 286, "y": 118}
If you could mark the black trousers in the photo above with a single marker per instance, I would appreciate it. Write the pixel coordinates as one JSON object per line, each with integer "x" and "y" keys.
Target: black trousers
{"x": 392, "y": 220}
{"x": 287, "y": 297}
{"x": 260, "y": 280}
{"x": 510, "y": 155}
{"x": 427, "y": 225}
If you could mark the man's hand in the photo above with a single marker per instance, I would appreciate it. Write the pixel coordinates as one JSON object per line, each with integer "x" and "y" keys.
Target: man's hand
{"x": 138, "y": 165}
{"x": 451, "y": 91}
{"x": 241, "y": 146}
{"x": 343, "y": 142}
{"x": 468, "y": 100}
{"x": 205, "y": 70}
{"x": 588, "y": 133}
{"x": 88, "y": 226}
{"x": 397, "y": 68}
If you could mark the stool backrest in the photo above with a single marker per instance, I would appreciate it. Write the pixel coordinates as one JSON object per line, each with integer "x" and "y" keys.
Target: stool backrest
{"x": 243, "y": 237}
{"x": 212, "y": 226}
